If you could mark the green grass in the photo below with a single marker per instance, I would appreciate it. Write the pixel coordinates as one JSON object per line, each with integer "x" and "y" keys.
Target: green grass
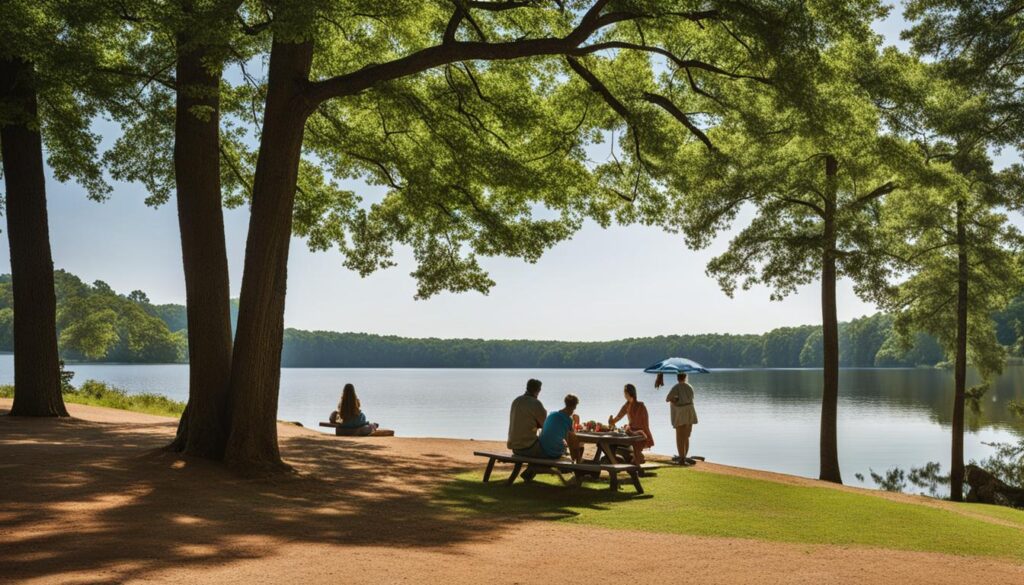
{"x": 708, "y": 504}
{"x": 1001, "y": 513}
{"x": 96, "y": 393}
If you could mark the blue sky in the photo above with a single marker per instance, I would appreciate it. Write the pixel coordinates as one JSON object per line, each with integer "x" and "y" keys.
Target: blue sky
{"x": 603, "y": 284}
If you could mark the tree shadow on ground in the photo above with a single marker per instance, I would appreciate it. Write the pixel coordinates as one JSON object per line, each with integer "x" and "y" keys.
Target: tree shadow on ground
{"x": 100, "y": 503}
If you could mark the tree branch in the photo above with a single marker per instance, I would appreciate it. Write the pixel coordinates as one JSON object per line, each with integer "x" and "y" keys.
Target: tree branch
{"x": 699, "y": 91}
{"x": 884, "y": 189}
{"x": 667, "y": 105}
{"x": 453, "y": 24}
{"x": 500, "y": 6}
{"x": 600, "y": 88}
{"x": 813, "y": 206}
{"x": 613, "y": 102}
{"x": 230, "y": 162}
{"x": 454, "y": 50}
{"x": 156, "y": 77}
{"x": 253, "y": 29}
{"x": 461, "y": 13}
{"x": 678, "y": 61}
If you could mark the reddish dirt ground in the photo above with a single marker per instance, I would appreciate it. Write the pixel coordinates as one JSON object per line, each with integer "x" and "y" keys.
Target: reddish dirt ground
{"x": 92, "y": 500}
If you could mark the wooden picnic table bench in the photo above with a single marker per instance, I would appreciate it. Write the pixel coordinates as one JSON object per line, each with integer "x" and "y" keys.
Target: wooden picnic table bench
{"x": 354, "y": 431}
{"x": 606, "y": 443}
{"x": 578, "y": 469}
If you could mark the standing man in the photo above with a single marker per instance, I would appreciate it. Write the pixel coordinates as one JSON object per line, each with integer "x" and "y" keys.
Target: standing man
{"x": 684, "y": 416}
{"x": 525, "y": 418}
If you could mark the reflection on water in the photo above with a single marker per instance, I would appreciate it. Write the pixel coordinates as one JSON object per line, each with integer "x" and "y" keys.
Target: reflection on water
{"x": 765, "y": 419}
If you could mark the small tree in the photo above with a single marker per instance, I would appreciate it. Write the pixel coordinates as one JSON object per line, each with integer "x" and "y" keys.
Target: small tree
{"x": 815, "y": 174}
{"x": 963, "y": 267}
{"x": 962, "y": 257}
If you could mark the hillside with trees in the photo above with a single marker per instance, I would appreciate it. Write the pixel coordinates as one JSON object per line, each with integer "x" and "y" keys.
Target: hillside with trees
{"x": 865, "y": 342}
{"x": 94, "y": 323}
{"x": 97, "y": 324}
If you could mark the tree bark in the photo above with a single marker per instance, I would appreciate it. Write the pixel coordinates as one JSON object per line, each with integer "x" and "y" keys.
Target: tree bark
{"x": 829, "y": 450}
{"x": 204, "y": 426}
{"x": 36, "y": 362}
{"x": 256, "y": 367}
{"x": 956, "y": 475}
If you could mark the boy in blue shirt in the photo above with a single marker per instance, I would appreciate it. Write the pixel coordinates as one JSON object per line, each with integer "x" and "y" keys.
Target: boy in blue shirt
{"x": 558, "y": 432}
{"x": 554, "y": 435}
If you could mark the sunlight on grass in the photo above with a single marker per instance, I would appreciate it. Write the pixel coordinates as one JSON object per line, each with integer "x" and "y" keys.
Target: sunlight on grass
{"x": 708, "y": 504}
{"x": 998, "y": 512}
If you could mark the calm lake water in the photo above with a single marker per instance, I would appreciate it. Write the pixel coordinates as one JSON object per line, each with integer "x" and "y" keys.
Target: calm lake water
{"x": 763, "y": 419}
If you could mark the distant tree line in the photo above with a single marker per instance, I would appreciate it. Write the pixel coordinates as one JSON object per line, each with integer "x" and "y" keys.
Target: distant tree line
{"x": 97, "y": 324}
{"x": 864, "y": 342}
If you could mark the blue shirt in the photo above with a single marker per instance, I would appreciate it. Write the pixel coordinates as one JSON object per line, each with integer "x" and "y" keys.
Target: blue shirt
{"x": 356, "y": 422}
{"x": 556, "y": 427}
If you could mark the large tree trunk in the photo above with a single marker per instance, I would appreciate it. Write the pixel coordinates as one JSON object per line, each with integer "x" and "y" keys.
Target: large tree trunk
{"x": 36, "y": 363}
{"x": 204, "y": 426}
{"x": 829, "y": 450}
{"x": 956, "y": 475}
{"x": 256, "y": 367}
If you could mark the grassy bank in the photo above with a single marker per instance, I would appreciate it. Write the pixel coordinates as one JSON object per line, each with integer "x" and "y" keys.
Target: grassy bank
{"x": 96, "y": 393}
{"x": 709, "y": 504}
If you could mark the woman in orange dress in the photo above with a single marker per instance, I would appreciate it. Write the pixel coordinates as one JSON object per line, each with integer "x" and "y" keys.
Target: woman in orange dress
{"x": 636, "y": 413}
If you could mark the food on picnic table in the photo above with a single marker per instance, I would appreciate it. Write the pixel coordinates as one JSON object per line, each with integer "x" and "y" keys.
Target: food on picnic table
{"x": 595, "y": 427}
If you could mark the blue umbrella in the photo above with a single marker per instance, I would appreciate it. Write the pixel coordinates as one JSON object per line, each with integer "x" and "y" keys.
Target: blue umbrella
{"x": 676, "y": 365}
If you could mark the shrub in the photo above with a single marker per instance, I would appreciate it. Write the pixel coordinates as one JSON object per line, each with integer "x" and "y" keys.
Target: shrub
{"x": 100, "y": 394}
{"x": 96, "y": 393}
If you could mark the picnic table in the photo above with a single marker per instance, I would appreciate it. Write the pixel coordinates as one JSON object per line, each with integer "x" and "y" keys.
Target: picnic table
{"x": 607, "y": 441}
{"x": 579, "y": 469}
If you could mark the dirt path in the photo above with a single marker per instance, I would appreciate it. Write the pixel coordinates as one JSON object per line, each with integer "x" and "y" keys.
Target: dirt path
{"x": 89, "y": 500}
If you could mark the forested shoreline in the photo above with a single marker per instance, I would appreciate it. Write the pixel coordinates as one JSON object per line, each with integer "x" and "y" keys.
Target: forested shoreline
{"x": 865, "y": 342}
{"x": 96, "y": 324}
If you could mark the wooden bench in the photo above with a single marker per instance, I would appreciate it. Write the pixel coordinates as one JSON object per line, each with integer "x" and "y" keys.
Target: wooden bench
{"x": 352, "y": 431}
{"x": 578, "y": 469}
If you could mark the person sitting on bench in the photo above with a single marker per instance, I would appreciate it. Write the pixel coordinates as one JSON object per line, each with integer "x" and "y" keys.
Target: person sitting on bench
{"x": 558, "y": 433}
{"x": 352, "y": 417}
{"x": 639, "y": 424}
{"x": 525, "y": 417}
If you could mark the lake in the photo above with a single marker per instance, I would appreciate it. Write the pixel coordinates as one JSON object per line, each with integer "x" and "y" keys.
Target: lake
{"x": 763, "y": 419}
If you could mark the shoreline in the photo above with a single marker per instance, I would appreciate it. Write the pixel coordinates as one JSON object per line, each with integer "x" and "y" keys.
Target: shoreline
{"x": 369, "y": 507}
{"x": 288, "y": 429}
